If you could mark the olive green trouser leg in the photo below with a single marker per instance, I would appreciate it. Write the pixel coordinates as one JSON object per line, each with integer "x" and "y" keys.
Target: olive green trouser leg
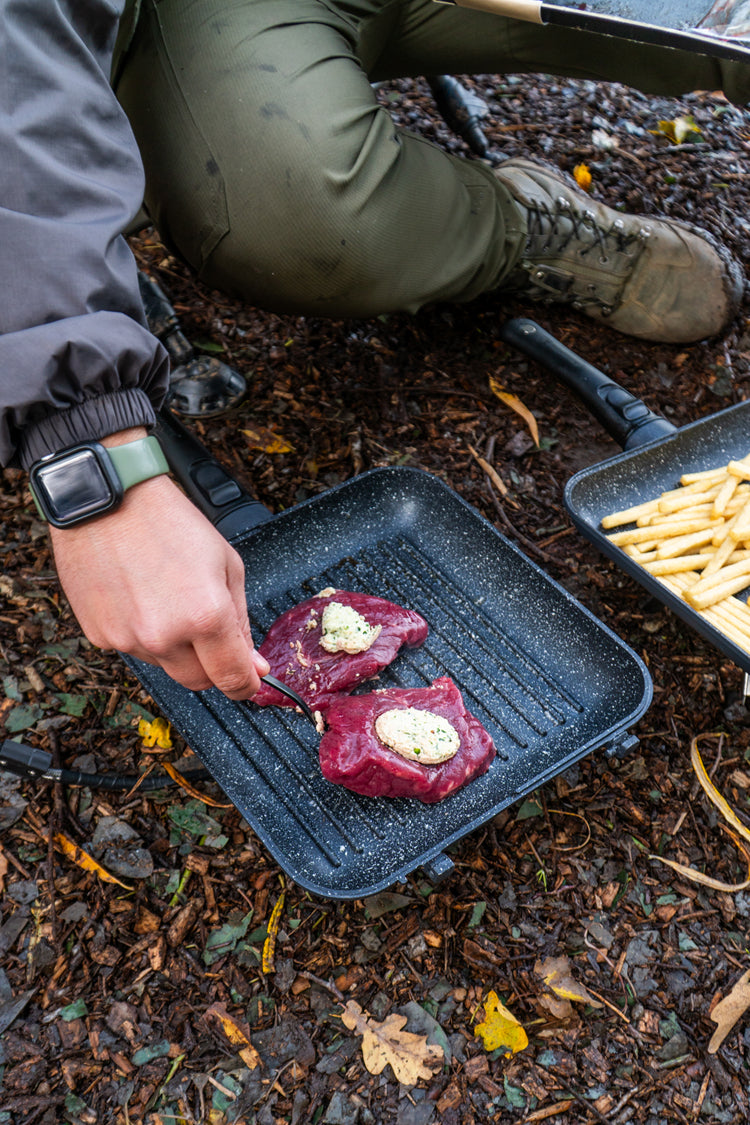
{"x": 274, "y": 171}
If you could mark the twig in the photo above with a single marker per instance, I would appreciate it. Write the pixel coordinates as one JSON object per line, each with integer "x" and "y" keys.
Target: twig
{"x": 328, "y": 984}
{"x": 526, "y": 543}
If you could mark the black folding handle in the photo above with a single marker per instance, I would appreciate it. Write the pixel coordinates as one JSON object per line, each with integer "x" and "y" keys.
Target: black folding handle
{"x": 208, "y": 484}
{"x": 625, "y": 418}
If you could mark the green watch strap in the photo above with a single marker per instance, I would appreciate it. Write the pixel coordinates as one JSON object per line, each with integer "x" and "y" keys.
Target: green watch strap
{"x": 138, "y": 460}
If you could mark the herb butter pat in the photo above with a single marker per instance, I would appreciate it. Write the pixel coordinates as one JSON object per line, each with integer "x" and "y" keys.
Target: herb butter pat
{"x": 345, "y": 630}
{"x": 419, "y": 736}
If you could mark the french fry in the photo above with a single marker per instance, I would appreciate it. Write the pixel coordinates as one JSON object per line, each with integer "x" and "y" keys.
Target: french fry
{"x": 659, "y": 567}
{"x": 688, "y": 499}
{"x": 740, "y": 529}
{"x": 666, "y": 531}
{"x": 725, "y": 494}
{"x": 717, "y": 593}
{"x": 725, "y": 574}
{"x": 740, "y": 469}
{"x": 681, "y": 543}
{"x": 630, "y": 515}
{"x": 705, "y": 477}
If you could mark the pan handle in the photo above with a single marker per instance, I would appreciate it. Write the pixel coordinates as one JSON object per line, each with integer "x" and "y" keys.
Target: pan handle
{"x": 625, "y": 418}
{"x": 211, "y": 488}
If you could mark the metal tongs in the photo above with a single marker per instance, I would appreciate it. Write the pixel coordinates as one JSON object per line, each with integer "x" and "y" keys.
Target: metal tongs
{"x": 290, "y": 693}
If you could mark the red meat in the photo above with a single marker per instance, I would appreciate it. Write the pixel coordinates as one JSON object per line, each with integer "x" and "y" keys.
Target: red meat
{"x": 352, "y": 755}
{"x": 292, "y": 648}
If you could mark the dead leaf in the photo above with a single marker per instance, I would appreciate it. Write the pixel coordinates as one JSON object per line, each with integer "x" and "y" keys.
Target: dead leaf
{"x": 269, "y": 945}
{"x": 560, "y": 1010}
{"x": 175, "y": 774}
{"x": 515, "y": 404}
{"x": 237, "y": 1034}
{"x": 494, "y": 476}
{"x": 729, "y": 1010}
{"x": 411, "y": 1057}
{"x": 582, "y": 176}
{"x": 557, "y": 974}
{"x": 267, "y": 441}
{"x": 3, "y": 871}
{"x": 156, "y": 733}
{"x": 729, "y": 815}
{"x": 500, "y": 1028}
{"x": 678, "y": 129}
{"x": 83, "y": 860}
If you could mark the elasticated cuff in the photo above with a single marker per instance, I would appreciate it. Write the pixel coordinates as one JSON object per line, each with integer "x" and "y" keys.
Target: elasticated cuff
{"x": 90, "y": 420}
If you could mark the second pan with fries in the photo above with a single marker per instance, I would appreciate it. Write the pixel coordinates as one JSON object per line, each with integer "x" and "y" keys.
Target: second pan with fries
{"x": 656, "y": 456}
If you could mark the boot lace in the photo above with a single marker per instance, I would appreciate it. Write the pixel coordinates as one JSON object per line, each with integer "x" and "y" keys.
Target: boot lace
{"x": 554, "y": 231}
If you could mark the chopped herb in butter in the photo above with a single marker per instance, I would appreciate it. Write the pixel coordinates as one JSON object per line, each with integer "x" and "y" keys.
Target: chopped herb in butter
{"x": 419, "y": 736}
{"x": 345, "y": 630}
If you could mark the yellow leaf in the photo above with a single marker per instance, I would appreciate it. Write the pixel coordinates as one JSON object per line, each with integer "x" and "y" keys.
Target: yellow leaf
{"x": 267, "y": 441}
{"x": 557, "y": 974}
{"x": 729, "y": 1010}
{"x": 411, "y": 1057}
{"x": 515, "y": 404}
{"x": 582, "y": 176}
{"x": 175, "y": 774}
{"x": 500, "y": 1028}
{"x": 269, "y": 945}
{"x": 156, "y": 733}
{"x": 85, "y": 861}
{"x": 677, "y": 130}
{"x": 236, "y": 1034}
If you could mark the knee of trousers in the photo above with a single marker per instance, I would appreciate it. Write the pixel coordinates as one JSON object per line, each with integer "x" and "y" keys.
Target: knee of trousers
{"x": 313, "y": 256}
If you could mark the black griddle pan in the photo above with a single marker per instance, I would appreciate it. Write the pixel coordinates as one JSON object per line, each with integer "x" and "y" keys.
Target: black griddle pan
{"x": 549, "y": 681}
{"x": 656, "y": 454}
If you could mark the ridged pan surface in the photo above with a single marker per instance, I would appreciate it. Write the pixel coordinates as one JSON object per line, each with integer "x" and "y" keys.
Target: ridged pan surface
{"x": 642, "y": 474}
{"x": 549, "y": 681}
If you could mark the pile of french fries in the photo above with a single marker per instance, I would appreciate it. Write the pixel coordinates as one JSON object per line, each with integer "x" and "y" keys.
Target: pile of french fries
{"x": 696, "y": 540}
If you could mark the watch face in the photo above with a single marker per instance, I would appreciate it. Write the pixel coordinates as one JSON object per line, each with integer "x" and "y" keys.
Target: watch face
{"x": 73, "y": 488}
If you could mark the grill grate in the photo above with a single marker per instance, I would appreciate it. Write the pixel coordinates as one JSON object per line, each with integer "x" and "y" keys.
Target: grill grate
{"x": 483, "y": 601}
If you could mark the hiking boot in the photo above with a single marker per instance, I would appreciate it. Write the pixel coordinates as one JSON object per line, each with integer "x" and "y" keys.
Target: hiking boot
{"x": 652, "y": 278}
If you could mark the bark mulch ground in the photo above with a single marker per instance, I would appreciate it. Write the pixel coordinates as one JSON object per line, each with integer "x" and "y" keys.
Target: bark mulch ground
{"x": 149, "y": 1000}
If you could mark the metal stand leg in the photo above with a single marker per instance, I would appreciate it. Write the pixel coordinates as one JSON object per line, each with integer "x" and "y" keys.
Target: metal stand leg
{"x": 199, "y": 386}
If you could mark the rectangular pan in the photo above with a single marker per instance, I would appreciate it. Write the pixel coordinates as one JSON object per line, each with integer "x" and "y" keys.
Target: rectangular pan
{"x": 549, "y": 681}
{"x": 657, "y": 453}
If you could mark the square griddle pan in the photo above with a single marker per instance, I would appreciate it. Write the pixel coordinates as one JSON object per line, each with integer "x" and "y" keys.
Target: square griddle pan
{"x": 548, "y": 680}
{"x": 656, "y": 454}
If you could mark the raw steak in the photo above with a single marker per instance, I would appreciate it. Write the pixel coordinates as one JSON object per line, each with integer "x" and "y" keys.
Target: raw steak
{"x": 352, "y": 755}
{"x": 292, "y": 648}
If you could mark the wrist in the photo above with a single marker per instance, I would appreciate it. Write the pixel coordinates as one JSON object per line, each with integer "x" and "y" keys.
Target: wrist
{"x": 91, "y": 479}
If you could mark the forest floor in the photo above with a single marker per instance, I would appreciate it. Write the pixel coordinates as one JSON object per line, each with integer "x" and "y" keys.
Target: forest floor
{"x": 148, "y": 999}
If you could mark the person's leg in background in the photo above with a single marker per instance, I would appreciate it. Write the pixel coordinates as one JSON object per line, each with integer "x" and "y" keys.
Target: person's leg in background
{"x": 276, "y": 173}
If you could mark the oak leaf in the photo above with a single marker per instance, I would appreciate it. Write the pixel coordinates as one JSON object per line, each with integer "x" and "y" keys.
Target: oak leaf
{"x": 729, "y": 1010}
{"x": 411, "y": 1057}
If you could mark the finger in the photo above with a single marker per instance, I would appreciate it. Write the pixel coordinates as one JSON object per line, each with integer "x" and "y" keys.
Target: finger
{"x": 181, "y": 665}
{"x": 236, "y": 584}
{"x": 225, "y": 652}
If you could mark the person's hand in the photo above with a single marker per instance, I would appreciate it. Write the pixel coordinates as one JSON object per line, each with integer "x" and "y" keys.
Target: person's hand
{"x": 156, "y": 580}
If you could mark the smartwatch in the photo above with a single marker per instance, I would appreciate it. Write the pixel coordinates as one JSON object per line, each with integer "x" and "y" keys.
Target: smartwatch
{"x": 89, "y": 480}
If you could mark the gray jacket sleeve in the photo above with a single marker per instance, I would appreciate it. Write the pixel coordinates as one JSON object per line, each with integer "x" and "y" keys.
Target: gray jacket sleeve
{"x": 77, "y": 361}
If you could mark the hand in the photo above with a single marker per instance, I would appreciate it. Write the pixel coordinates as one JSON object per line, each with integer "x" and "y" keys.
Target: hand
{"x": 156, "y": 580}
